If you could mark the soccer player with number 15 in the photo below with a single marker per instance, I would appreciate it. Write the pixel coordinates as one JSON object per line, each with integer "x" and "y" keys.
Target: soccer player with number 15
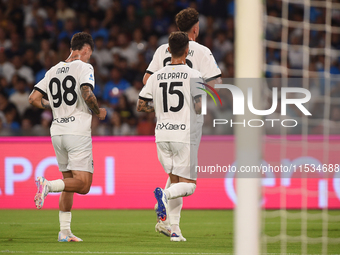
{"x": 176, "y": 95}
{"x": 199, "y": 58}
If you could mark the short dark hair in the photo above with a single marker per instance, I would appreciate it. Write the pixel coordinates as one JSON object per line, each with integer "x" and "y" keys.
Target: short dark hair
{"x": 186, "y": 19}
{"x": 178, "y": 42}
{"x": 80, "y": 39}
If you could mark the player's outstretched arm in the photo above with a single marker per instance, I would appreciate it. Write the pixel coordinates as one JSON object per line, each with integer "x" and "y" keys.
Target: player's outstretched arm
{"x": 36, "y": 99}
{"x": 143, "y": 106}
{"x": 91, "y": 101}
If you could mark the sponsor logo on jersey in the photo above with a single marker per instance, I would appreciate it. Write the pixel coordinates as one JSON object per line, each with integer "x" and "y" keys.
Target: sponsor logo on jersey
{"x": 169, "y": 126}
{"x": 91, "y": 77}
{"x": 65, "y": 120}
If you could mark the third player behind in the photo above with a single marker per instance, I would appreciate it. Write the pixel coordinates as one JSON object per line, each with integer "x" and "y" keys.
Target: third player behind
{"x": 177, "y": 101}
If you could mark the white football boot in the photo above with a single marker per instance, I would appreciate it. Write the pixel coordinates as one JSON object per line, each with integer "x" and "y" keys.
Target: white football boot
{"x": 162, "y": 228}
{"x": 177, "y": 237}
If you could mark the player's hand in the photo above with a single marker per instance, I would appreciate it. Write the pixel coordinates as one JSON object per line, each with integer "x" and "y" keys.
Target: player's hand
{"x": 102, "y": 113}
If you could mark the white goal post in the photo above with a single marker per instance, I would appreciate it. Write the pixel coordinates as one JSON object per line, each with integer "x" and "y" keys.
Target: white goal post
{"x": 248, "y": 64}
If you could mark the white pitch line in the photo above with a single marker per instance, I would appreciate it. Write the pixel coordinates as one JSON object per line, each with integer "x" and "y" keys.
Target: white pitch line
{"x": 112, "y": 252}
{"x": 110, "y": 223}
{"x": 119, "y": 223}
{"x": 293, "y": 254}
{"x": 151, "y": 253}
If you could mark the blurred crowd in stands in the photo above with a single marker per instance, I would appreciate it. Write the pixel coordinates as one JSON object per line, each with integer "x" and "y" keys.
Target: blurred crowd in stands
{"x": 308, "y": 46}
{"x": 35, "y": 35}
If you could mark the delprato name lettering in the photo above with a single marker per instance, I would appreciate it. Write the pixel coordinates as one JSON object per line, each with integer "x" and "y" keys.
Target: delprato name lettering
{"x": 174, "y": 75}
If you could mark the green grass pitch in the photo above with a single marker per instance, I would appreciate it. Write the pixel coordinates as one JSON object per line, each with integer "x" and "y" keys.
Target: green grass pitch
{"x": 132, "y": 232}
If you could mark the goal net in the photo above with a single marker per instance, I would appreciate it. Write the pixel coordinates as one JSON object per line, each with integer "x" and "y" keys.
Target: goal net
{"x": 301, "y": 45}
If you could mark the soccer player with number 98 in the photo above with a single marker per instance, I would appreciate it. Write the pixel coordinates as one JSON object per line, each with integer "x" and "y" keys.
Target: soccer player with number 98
{"x": 68, "y": 87}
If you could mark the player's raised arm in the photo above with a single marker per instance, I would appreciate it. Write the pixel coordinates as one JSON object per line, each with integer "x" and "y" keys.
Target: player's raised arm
{"x": 91, "y": 101}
